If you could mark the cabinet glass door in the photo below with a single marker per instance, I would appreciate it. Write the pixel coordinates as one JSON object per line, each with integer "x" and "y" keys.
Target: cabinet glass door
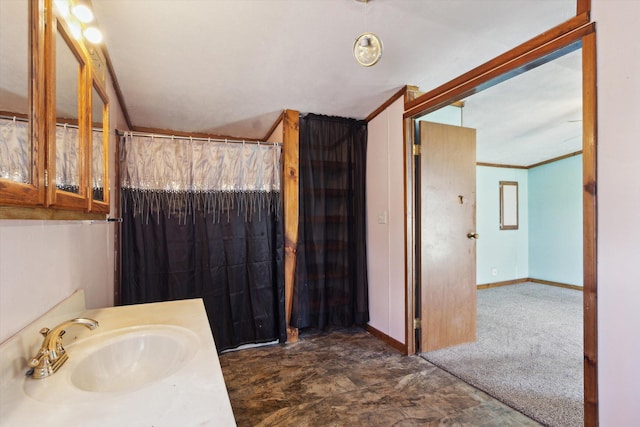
{"x": 21, "y": 102}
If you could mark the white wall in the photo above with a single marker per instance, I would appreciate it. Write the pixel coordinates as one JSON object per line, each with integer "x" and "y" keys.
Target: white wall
{"x": 43, "y": 262}
{"x": 278, "y": 133}
{"x": 385, "y": 222}
{"x": 618, "y": 93}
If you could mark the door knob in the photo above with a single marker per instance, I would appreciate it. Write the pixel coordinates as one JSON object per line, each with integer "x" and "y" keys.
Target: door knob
{"x": 473, "y": 235}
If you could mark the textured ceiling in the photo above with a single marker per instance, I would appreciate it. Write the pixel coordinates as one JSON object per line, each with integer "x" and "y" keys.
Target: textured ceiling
{"x": 532, "y": 117}
{"x": 231, "y": 66}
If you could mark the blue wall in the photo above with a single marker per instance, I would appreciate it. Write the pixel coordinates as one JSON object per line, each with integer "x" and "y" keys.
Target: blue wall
{"x": 555, "y": 221}
{"x": 548, "y": 242}
{"x": 506, "y": 252}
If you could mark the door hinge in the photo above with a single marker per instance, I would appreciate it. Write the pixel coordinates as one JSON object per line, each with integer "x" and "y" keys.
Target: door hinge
{"x": 416, "y": 323}
{"x": 416, "y": 150}
{"x": 46, "y": 178}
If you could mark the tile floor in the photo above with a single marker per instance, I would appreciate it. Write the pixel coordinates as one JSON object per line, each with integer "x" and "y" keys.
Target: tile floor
{"x": 347, "y": 377}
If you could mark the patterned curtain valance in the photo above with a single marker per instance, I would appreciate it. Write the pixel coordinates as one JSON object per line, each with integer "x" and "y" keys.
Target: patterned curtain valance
{"x": 175, "y": 175}
{"x": 67, "y": 158}
{"x": 14, "y": 150}
{"x": 15, "y": 154}
{"x": 177, "y": 164}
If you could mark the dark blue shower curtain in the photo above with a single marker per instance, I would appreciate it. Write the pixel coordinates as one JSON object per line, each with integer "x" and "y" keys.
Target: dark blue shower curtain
{"x": 233, "y": 261}
{"x": 331, "y": 269}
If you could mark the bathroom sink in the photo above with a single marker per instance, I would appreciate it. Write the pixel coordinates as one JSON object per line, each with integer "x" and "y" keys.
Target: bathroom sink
{"x": 132, "y": 358}
{"x": 152, "y": 364}
{"x": 117, "y": 362}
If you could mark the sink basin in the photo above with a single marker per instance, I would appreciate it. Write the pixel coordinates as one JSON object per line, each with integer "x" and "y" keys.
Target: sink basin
{"x": 133, "y": 358}
{"x": 117, "y": 362}
{"x": 152, "y": 364}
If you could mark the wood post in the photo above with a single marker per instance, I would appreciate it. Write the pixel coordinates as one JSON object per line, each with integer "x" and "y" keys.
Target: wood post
{"x": 590, "y": 230}
{"x": 290, "y": 197}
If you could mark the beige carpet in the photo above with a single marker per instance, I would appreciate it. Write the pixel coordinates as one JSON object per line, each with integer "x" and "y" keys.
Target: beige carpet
{"x": 528, "y": 354}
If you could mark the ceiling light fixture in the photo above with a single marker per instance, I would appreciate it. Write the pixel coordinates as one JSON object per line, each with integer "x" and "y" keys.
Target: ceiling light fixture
{"x": 367, "y": 48}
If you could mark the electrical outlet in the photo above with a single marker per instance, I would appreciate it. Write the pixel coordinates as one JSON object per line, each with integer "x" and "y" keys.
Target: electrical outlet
{"x": 494, "y": 271}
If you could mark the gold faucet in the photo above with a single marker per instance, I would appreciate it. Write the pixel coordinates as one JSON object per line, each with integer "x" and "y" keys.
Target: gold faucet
{"x": 51, "y": 354}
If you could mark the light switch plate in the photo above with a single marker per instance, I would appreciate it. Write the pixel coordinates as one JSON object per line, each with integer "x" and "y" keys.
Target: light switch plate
{"x": 382, "y": 218}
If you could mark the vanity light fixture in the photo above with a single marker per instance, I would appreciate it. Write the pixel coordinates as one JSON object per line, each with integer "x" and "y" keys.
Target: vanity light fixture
{"x": 63, "y": 8}
{"x": 75, "y": 27}
{"x": 78, "y": 14}
{"x": 93, "y": 35}
{"x": 83, "y": 12}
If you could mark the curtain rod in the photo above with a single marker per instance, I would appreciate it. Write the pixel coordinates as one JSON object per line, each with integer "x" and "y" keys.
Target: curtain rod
{"x": 25, "y": 120}
{"x": 190, "y": 138}
{"x": 16, "y": 118}
{"x": 69, "y": 125}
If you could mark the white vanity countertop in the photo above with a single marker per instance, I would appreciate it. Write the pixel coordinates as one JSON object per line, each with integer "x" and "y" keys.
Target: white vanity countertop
{"x": 195, "y": 395}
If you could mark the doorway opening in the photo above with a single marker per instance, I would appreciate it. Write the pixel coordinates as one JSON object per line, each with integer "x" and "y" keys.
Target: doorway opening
{"x": 503, "y": 68}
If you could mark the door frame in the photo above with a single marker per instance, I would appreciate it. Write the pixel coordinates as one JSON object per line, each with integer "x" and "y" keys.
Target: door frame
{"x": 537, "y": 51}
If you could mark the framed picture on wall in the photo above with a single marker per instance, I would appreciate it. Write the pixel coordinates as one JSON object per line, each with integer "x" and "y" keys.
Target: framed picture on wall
{"x": 508, "y": 205}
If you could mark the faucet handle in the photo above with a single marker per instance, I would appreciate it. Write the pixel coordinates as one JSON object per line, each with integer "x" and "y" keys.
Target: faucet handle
{"x": 41, "y": 365}
{"x": 41, "y": 358}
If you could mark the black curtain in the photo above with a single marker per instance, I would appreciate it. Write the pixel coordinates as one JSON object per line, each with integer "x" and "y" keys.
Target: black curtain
{"x": 331, "y": 269}
{"x": 231, "y": 260}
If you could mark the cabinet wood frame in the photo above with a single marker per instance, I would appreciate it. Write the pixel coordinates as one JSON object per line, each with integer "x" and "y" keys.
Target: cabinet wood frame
{"x": 57, "y": 198}
{"x": 99, "y": 206}
{"x": 32, "y": 193}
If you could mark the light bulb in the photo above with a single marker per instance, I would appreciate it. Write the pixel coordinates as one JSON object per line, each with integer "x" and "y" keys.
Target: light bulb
{"x": 93, "y": 35}
{"x": 82, "y": 12}
{"x": 63, "y": 7}
{"x": 75, "y": 28}
{"x": 367, "y": 49}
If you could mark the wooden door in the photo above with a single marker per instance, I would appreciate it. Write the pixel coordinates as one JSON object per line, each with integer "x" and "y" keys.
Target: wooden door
{"x": 447, "y": 235}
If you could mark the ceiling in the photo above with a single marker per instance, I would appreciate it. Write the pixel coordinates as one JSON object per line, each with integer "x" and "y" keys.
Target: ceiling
{"x": 531, "y": 118}
{"x": 229, "y": 67}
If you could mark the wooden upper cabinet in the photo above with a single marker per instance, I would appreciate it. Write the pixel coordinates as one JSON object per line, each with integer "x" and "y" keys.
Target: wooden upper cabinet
{"x": 64, "y": 139}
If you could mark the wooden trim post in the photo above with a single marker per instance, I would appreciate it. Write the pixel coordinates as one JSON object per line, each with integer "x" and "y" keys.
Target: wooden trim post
{"x": 590, "y": 231}
{"x": 291, "y": 138}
